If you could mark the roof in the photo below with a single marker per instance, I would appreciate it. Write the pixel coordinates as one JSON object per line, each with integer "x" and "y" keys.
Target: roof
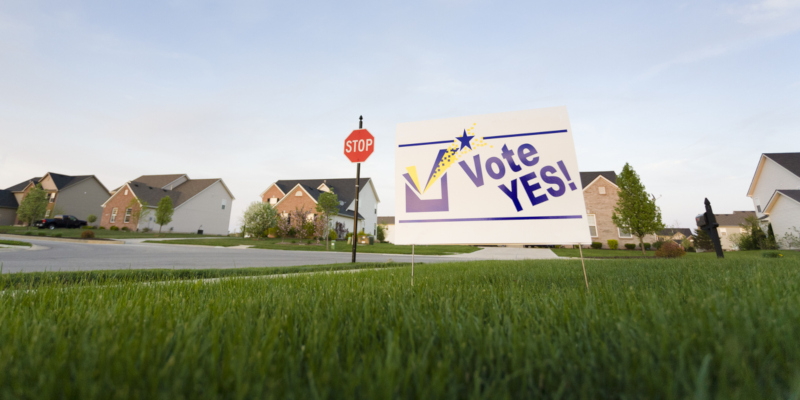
{"x": 7, "y": 199}
{"x": 345, "y": 190}
{"x": 589, "y": 177}
{"x": 790, "y": 161}
{"x": 159, "y": 181}
{"x": 386, "y": 220}
{"x": 22, "y": 185}
{"x": 735, "y": 219}
{"x": 792, "y": 194}
{"x": 63, "y": 181}
{"x": 672, "y": 231}
{"x": 179, "y": 195}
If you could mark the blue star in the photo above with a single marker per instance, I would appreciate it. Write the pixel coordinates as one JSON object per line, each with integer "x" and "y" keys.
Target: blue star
{"x": 464, "y": 140}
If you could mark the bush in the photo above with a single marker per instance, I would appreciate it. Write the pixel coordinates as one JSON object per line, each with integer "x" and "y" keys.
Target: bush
{"x": 126, "y": 229}
{"x": 691, "y": 249}
{"x": 91, "y": 218}
{"x": 87, "y": 234}
{"x": 272, "y": 232}
{"x": 597, "y": 245}
{"x": 647, "y": 246}
{"x": 613, "y": 244}
{"x": 349, "y": 235}
{"x": 114, "y": 228}
{"x": 58, "y": 235}
{"x": 89, "y": 227}
{"x": 145, "y": 230}
{"x": 332, "y": 235}
{"x": 658, "y": 244}
{"x": 29, "y": 233}
{"x": 308, "y": 242}
{"x": 42, "y": 234}
{"x": 771, "y": 254}
{"x": 670, "y": 250}
{"x": 630, "y": 246}
{"x": 102, "y": 227}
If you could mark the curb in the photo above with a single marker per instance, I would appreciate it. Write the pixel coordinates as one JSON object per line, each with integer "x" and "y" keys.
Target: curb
{"x": 63, "y": 240}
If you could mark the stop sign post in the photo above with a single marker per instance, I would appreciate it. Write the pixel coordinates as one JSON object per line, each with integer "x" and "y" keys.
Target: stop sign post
{"x": 358, "y": 146}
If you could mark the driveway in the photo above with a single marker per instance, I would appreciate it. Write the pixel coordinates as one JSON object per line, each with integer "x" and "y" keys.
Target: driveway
{"x": 64, "y": 256}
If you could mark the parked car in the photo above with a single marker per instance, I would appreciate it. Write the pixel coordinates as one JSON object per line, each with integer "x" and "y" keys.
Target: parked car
{"x": 60, "y": 221}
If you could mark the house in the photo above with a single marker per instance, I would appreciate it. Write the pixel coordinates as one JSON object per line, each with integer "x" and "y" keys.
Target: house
{"x": 730, "y": 225}
{"x": 601, "y": 193}
{"x": 199, "y": 204}
{"x": 676, "y": 234}
{"x": 8, "y": 207}
{"x": 79, "y": 196}
{"x": 774, "y": 191}
{"x": 288, "y": 195}
{"x": 388, "y": 223}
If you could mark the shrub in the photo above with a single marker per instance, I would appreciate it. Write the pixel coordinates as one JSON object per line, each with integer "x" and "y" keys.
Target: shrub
{"x": 332, "y": 234}
{"x": 381, "y": 233}
{"x": 114, "y": 228}
{"x": 308, "y": 242}
{"x": 691, "y": 249}
{"x": 89, "y": 227}
{"x": 630, "y": 246}
{"x": 102, "y": 227}
{"x": 272, "y": 232}
{"x": 87, "y": 234}
{"x": 771, "y": 254}
{"x": 597, "y": 245}
{"x": 58, "y": 235}
{"x": 91, "y": 218}
{"x": 349, "y": 235}
{"x": 145, "y": 230}
{"x": 125, "y": 228}
{"x": 613, "y": 244}
{"x": 670, "y": 249}
{"x": 29, "y": 233}
{"x": 647, "y": 246}
{"x": 42, "y": 234}
{"x": 657, "y": 245}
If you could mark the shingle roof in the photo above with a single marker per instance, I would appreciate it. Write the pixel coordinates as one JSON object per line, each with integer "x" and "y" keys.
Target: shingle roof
{"x": 7, "y": 199}
{"x": 672, "y": 231}
{"x": 64, "y": 181}
{"x": 386, "y": 220}
{"x": 735, "y": 219}
{"x": 158, "y": 181}
{"x": 179, "y": 195}
{"x": 22, "y": 185}
{"x": 790, "y": 161}
{"x": 345, "y": 190}
{"x": 589, "y": 177}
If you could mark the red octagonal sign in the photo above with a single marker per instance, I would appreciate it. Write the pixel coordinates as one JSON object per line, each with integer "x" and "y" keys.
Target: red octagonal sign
{"x": 359, "y": 145}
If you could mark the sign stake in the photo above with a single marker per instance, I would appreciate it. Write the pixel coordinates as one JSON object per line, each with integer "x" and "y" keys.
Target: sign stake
{"x": 358, "y": 179}
{"x": 412, "y": 265}
{"x": 580, "y": 249}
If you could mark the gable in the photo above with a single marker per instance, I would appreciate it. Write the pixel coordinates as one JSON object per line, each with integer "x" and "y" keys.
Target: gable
{"x": 790, "y": 195}
{"x": 779, "y": 167}
{"x": 599, "y": 179}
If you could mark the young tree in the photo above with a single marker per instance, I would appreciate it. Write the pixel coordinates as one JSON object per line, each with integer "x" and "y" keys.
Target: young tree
{"x": 258, "y": 218}
{"x": 91, "y": 219}
{"x": 164, "y": 212}
{"x": 33, "y": 206}
{"x": 381, "y": 233}
{"x": 702, "y": 240}
{"x": 139, "y": 210}
{"x": 327, "y": 207}
{"x": 283, "y": 227}
{"x": 297, "y": 220}
{"x": 636, "y": 210}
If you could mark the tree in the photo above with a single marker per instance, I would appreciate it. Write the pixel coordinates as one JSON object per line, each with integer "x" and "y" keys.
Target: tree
{"x": 33, "y": 206}
{"x": 702, "y": 240}
{"x": 772, "y": 243}
{"x": 91, "y": 218}
{"x": 327, "y": 207}
{"x": 139, "y": 210}
{"x": 636, "y": 211}
{"x": 283, "y": 227}
{"x": 298, "y": 220}
{"x": 164, "y": 212}
{"x": 382, "y": 233}
{"x": 258, "y": 218}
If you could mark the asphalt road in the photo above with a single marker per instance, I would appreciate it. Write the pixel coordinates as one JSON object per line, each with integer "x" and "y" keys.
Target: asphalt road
{"x": 63, "y": 256}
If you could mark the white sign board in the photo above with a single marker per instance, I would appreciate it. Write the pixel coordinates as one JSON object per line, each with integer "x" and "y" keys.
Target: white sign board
{"x": 508, "y": 178}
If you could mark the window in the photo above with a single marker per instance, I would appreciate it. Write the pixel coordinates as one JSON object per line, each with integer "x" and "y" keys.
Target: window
{"x": 113, "y": 215}
{"x": 273, "y": 201}
{"x": 298, "y": 193}
{"x": 592, "y": 225}
{"x": 47, "y": 213}
{"x": 624, "y": 233}
{"x": 723, "y": 232}
{"x": 223, "y": 204}
{"x": 758, "y": 203}
{"x": 310, "y": 217}
{"x": 601, "y": 190}
{"x": 52, "y": 197}
{"x": 127, "y": 215}
{"x": 126, "y": 192}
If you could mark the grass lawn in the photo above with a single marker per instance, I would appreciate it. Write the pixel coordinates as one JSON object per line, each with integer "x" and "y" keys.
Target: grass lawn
{"x": 593, "y": 253}
{"x": 99, "y": 233}
{"x": 649, "y": 328}
{"x": 14, "y": 243}
{"x": 341, "y": 246}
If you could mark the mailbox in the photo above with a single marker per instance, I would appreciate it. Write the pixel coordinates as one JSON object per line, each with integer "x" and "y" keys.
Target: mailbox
{"x": 701, "y": 220}
{"x": 708, "y": 222}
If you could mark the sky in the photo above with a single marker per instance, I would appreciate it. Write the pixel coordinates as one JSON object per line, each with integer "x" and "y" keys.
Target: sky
{"x": 690, "y": 94}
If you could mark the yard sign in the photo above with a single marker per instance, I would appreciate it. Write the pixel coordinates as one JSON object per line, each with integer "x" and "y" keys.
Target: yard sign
{"x": 508, "y": 178}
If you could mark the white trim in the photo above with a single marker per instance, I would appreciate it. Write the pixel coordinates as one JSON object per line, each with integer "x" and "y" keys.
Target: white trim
{"x": 630, "y": 235}
{"x": 595, "y": 180}
{"x": 774, "y": 199}
{"x": 287, "y": 196}
{"x": 179, "y": 178}
{"x": 268, "y": 187}
{"x": 596, "y": 231}
{"x": 759, "y": 169}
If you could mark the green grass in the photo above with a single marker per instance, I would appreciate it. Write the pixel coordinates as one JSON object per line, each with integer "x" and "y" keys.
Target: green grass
{"x": 666, "y": 329}
{"x": 14, "y": 243}
{"x": 593, "y": 253}
{"x": 99, "y": 233}
{"x": 341, "y": 246}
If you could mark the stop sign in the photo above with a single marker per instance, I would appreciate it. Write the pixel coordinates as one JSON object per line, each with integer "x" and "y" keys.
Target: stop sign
{"x": 359, "y": 145}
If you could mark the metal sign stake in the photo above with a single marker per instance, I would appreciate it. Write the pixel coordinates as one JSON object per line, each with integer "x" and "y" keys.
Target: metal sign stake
{"x": 585, "y": 278}
{"x": 358, "y": 179}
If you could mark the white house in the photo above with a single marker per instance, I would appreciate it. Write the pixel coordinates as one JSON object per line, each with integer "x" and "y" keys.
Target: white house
{"x": 200, "y": 204}
{"x": 388, "y": 223}
{"x": 775, "y": 190}
{"x": 291, "y": 194}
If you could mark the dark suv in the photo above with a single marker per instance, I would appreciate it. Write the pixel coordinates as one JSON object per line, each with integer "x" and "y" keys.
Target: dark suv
{"x": 60, "y": 221}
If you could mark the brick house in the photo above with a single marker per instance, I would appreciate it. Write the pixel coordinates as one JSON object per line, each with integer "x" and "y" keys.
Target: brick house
{"x": 288, "y": 195}
{"x": 200, "y": 204}
{"x": 601, "y": 193}
{"x": 79, "y": 196}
